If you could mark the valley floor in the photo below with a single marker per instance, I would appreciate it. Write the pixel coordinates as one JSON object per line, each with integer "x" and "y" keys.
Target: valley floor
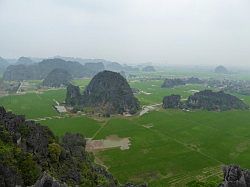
{"x": 167, "y": 147}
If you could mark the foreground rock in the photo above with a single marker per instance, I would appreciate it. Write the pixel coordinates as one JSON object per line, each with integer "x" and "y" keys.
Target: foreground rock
{"x": 108, "y": 93}
{"x": 57, "y": 78}
{"x": 47, "y": 181}
{"x": 123, "y": 74}
{"x": 234, "y": 176}
{"x": 29, "y": 152}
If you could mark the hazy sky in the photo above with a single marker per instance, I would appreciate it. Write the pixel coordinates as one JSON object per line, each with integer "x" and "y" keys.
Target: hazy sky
{"x": 129, "y": 31}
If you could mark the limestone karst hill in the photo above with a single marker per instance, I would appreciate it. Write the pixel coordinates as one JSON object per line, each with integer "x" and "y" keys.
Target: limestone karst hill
{"x": 210, "y": 100}
{"x": 206, "y": 100}
{"x": 40, "y": 70}
{"x": 108, "y": 92}
{"x": 221, "y": 70}
{"x": 57, "y": 77}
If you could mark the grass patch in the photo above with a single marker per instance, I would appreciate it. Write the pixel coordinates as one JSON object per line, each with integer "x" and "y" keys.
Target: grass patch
{"x": 79, "y": 124}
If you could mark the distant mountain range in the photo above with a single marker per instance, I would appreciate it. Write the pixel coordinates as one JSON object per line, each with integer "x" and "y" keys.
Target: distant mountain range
{"x": 3, "y": 64}
{"x": 25, "y": 61}
{"x": 28, "y": 68}
{"x": 42, "y": 69}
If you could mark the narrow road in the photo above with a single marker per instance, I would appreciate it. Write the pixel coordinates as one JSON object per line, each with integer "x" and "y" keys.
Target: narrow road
{"x": 146, "y": 109}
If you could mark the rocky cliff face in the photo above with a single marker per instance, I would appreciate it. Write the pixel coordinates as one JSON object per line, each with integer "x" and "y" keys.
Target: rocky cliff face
{"x": 172, "y": 101}
{"x": 29, "y": 152}
{"x": 234, "y": 176}
{"x": 73, "y": 96}
{"x": 210, "y": 100}
{"x": 123, "y": 73}
{"x": 57, "y": 78}
{"x": 207, "y": 100}
{"x": 108, "y": 92}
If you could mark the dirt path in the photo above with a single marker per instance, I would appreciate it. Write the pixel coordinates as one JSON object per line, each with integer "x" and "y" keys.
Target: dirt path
{"x": 19, "y": 88}
{"x": 57, "y": 103}
{"x": 146, "y": 109}
{"x": 56, "y": 117}
{"x": 99, "y": 130}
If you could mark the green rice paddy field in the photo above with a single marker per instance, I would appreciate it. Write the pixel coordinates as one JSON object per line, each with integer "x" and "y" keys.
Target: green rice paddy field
{"x": 179, "y": 147}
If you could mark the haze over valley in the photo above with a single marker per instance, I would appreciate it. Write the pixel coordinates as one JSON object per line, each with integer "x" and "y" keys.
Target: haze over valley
{"x": 128, "y": 93}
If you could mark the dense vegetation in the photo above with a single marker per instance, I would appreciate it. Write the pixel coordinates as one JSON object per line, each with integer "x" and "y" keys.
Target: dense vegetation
{"x": 168, "y": 147}
{"x": 172, "y": 101}
{"x": 206, "y": 100}
{"x": 30, "y": 153}
{"x": 57, "y": 78}
{"x": 210, "y": 100}
{"x": 108, "y": 92}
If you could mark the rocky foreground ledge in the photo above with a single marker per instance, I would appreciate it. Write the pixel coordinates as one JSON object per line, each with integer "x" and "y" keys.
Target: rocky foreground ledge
{"x": 234, "y": 176}
{"x": 30, "y": 155}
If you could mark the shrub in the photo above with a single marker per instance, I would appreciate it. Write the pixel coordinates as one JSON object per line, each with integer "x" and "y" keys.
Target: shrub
{"x": 54, "y": 151}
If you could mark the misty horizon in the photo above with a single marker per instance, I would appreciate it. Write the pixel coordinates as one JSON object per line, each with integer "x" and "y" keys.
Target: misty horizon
{"x": 179, "y": 32}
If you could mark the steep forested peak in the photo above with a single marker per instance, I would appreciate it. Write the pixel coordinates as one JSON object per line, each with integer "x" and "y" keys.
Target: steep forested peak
{"x": 108, "y": 92}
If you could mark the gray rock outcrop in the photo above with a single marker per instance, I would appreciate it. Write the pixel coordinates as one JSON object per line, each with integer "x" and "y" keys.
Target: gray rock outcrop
{"x": 172, "y": 101}
{"x": 108, "y": 92}
{"x": 234, "y": 176}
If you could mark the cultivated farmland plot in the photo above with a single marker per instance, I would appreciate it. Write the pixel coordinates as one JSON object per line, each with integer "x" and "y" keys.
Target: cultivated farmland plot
{"x": 166, "y": 147}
